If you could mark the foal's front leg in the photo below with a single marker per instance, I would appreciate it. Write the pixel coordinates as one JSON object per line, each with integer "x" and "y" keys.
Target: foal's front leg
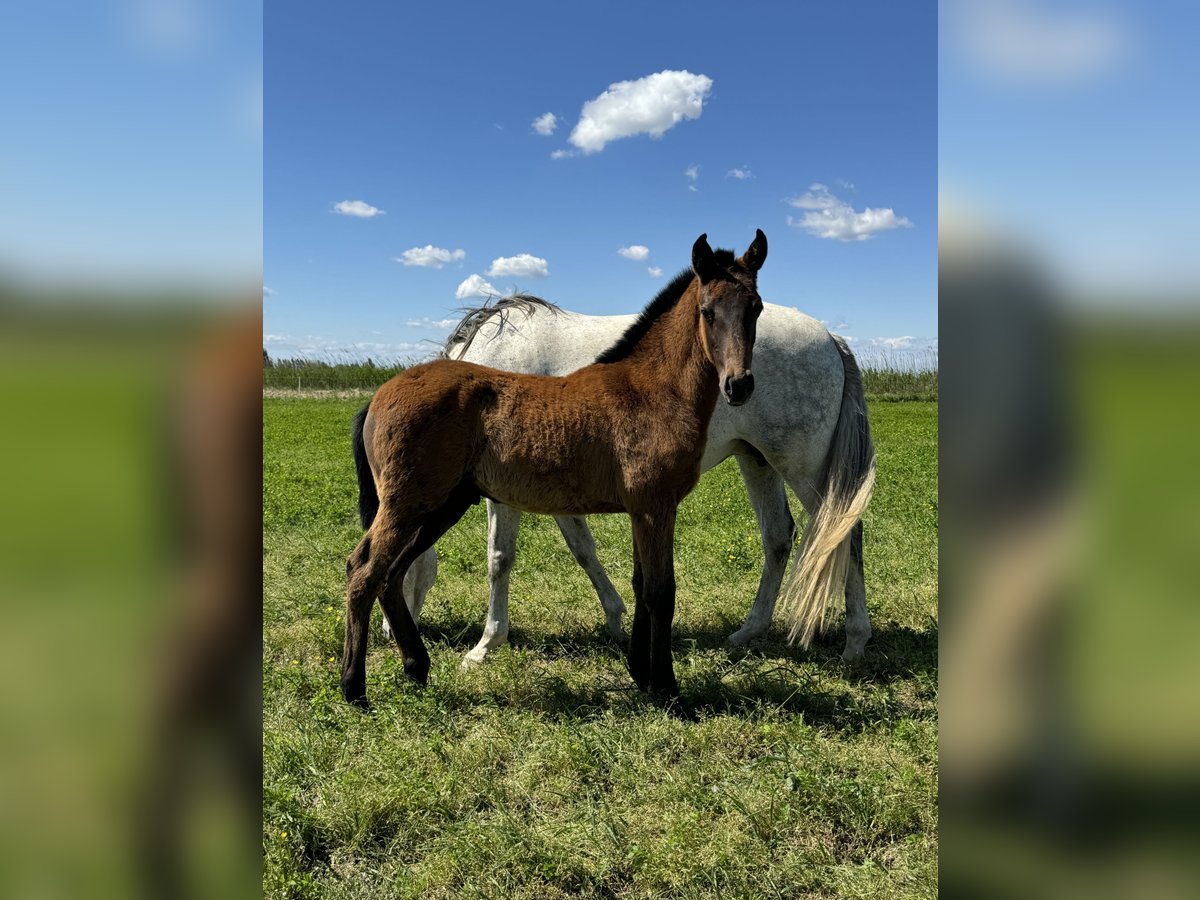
{"x": 639, "y": 632}
{"x": 654, "y": 539}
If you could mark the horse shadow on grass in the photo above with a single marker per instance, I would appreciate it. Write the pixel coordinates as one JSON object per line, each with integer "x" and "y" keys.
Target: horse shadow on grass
{"x": 767, "y": 676}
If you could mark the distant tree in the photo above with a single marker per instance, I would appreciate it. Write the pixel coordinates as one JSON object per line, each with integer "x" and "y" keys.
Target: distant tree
{"x": 266, "y": 359}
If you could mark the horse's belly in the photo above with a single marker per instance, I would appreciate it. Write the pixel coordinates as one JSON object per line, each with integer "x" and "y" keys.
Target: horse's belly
{"x": 531, "y": 490}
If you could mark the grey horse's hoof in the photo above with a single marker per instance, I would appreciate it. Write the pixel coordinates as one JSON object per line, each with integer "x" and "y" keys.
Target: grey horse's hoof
{"x": 744, "y": 635}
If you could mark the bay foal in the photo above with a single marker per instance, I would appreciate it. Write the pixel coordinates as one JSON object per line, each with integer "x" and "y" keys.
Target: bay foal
{"x": 625, "y": 434}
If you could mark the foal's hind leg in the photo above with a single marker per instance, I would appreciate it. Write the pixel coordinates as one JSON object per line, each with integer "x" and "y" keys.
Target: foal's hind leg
{"x": 767, "y": 495}
{"x": 428, "y": 530}
{"x": 365, "y": 574}
{"x": 583, "y": 547}
{"x": 385, "y": 552}
{"x": 417, "y": 581}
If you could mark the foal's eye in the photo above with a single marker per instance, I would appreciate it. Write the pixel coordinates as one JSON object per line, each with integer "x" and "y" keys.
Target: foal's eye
{"x": 708, "y": 315}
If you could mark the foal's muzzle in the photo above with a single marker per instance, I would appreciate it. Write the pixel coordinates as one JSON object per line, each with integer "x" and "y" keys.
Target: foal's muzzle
{"x": 738, "y": 388}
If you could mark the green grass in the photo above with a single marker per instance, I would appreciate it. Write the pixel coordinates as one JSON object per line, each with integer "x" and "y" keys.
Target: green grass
{"x": 884, "y": 381}
{"x": 884, "y": 377}
{"x": 544, "y": 773}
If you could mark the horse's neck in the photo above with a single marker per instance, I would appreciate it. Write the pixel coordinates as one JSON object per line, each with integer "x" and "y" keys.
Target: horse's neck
{"x": 670, "y": 360}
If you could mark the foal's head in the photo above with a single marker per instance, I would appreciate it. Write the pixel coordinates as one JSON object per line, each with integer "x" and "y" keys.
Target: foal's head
{"x": 729, "y": 310}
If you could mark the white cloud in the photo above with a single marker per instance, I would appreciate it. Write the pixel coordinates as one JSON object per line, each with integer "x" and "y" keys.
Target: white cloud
{"x": 635, "y": 251}
{"x": 357, "y": 208}
{"x": 426, "y": 322}
{"x": 429, "y": 256}
{"x": 692, "y": 187}
{"x": 276, "y": 339}
{"x": 828, "y": 216}
{"x": 268, "y": 292}
{"x": 545, "y": 125}
{"x": 651, "y": 105}
{"x": 692, "y": 172}
{"x": 168, "y": 28}
{"x": 1024, "y": 41}
{"x": 655, "y": 272}
{"x": 740, "y": 174}
{"x": 475, "y": 286}
{"x": 562, "y": 154}
{"x": 523, "y": 265}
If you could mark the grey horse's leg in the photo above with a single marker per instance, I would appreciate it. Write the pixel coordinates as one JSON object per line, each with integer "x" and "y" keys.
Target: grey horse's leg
{"x": 858, "y": 624}
{"x": 767, "y": 495}
{"x": 503, "y": 524}
{"x": 579, "y": 538}
{"x": 417, "y": 581}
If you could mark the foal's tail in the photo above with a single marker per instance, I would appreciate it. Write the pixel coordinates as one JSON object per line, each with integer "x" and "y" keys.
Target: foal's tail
{"x": 823, "y": 557}
{"x": 368, "y": 497}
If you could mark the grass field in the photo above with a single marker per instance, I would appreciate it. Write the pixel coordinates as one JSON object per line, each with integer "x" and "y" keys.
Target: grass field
{"x": 544, "y": 773}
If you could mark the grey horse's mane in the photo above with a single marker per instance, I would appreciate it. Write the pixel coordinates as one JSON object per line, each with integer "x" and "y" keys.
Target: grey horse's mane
{"x": 474, "y": 318}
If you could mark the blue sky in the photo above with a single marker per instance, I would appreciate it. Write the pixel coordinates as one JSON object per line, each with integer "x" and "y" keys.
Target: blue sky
{"x": 426, "y": 113}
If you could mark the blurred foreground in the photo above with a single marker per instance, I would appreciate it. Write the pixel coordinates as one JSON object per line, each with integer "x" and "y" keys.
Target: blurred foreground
{"x": 130, "y": 272}
{"x": 130, "y": 554}
{"x": 1070, "y": 719}
{"x": 1070, "y": 328}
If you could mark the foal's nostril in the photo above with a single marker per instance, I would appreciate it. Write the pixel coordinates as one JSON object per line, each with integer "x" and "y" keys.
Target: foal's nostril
{"x": 738, "y": 389}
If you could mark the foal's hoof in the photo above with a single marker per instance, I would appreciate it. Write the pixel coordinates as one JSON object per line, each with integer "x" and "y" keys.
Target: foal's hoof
{"x": 417, "y": 670}
{"x": 355, "y": 695}
{"x": 665, "y": 693}
{"x": 676, "y": 708}
{"x": 640, "y": 677}
{"x": 672, "y": 703}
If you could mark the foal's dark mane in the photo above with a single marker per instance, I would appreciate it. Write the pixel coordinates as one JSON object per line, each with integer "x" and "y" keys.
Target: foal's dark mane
{"x": 659, "y": 306}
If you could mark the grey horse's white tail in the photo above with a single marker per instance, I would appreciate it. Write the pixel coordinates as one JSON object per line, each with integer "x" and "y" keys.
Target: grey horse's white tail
{"x": 822, "y": 560}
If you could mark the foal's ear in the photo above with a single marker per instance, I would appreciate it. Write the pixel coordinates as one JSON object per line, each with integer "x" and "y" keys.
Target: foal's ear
{"x": 704, "y": 264}
{"x": 756, "y": 255}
